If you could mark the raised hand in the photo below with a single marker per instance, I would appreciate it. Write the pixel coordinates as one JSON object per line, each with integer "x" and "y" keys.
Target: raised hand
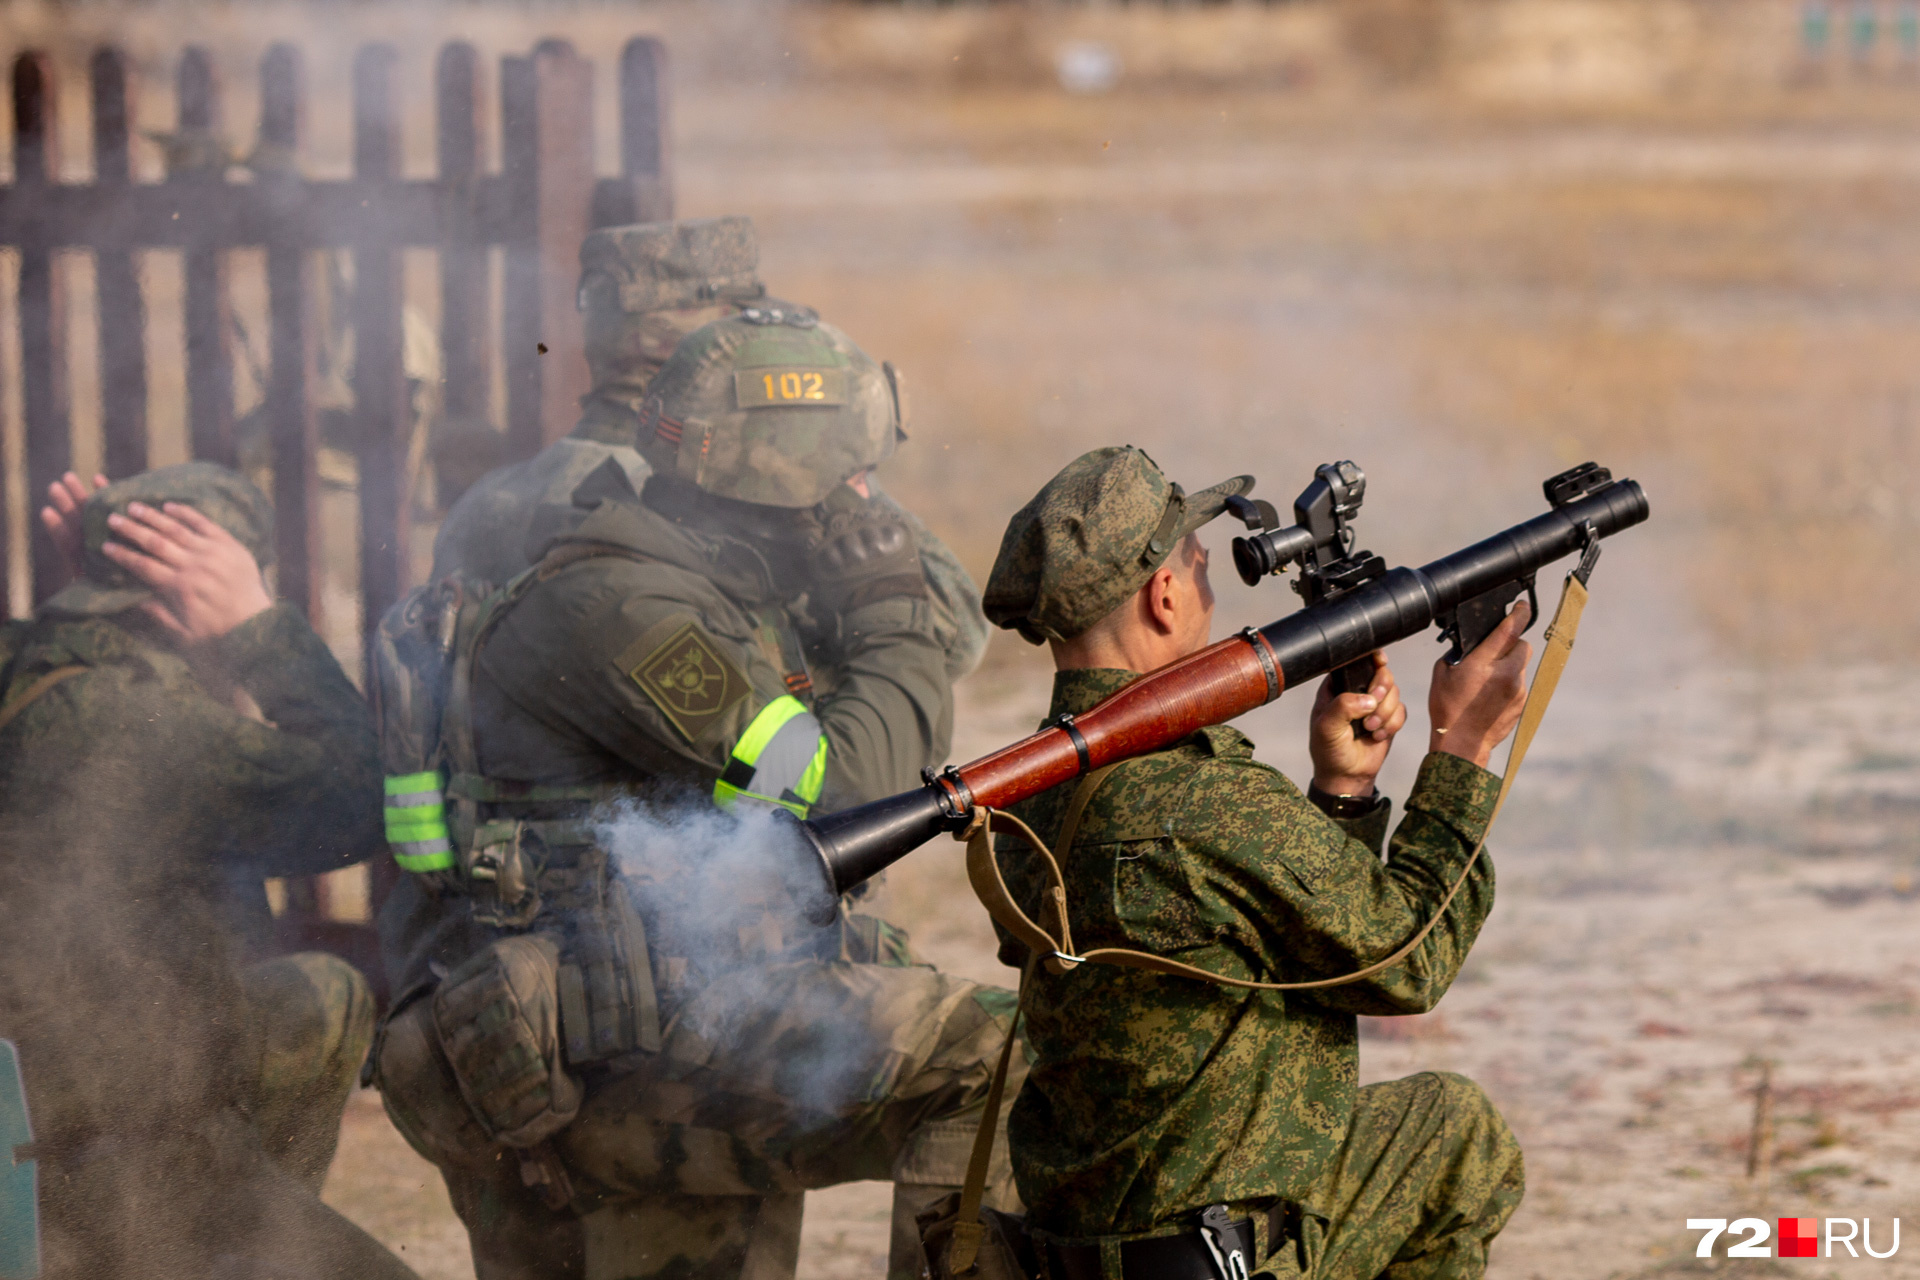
{"x": 61, "y": 516}
{"x": 208, "y": 583}
{"x": 1476, "y": 704}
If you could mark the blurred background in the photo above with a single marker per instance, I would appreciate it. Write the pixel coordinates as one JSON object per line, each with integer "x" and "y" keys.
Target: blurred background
{"x": 1466, "y": 243}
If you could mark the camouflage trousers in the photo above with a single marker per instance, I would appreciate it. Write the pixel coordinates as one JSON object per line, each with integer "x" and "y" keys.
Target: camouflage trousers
{"x": 694, "y": 1164}
{"x": 312, "y": 1022}
{"x": 235, "y": 1193}
{"x": 1428, "y": 1176}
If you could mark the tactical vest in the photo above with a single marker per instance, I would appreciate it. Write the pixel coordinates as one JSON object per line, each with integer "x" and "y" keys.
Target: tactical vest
{"x": 528, "y": 857}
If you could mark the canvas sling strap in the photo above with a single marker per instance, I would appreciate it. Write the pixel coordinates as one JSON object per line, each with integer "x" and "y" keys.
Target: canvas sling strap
{"x": 45, "y": 684}
{"x": 1055, "y": 949}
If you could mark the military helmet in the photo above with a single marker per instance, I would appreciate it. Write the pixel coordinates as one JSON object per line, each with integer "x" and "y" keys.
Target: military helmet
{"x": 225, "y": 497}
{"x": 770, "y": 406}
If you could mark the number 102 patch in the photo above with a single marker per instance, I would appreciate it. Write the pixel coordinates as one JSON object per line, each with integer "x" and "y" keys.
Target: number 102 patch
{"x": 766, "y": 388}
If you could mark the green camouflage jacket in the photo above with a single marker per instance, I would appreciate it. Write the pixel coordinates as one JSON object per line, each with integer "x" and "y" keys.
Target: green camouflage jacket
{"x": 128, "y": 795}
{"x": 1152, "y": 1096}
{"x": 570, "y": 689}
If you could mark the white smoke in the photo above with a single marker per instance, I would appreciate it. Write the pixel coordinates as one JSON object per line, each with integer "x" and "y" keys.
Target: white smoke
{"x": 731, "y": 901}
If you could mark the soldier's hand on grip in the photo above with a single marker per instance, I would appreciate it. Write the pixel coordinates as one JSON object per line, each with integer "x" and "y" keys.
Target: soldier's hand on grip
{"x": 865, "y": 553}
{"x": 1346, "y": 763}
{"x": 1476, "y": 704}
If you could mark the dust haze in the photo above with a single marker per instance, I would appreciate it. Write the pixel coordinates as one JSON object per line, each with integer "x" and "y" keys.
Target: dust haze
{"x": 1699, "y": 268}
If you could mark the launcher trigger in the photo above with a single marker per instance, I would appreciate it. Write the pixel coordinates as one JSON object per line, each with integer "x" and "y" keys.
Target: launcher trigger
{"x": 1472, "y": 621}
{"x": 1255, "y": 513}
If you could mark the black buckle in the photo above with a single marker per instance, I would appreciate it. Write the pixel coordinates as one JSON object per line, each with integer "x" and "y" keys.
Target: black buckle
{"x": 956, "y": 806}
{"x": 1217, "y": 1232}
{"x": 1064, "y": 722}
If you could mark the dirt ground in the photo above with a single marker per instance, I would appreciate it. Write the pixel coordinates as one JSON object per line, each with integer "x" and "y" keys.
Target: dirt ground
{"x": 1711, "y": 871}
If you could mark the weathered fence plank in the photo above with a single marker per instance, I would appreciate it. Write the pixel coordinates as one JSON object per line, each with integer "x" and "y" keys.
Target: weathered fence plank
{"x": 564, "y": 112}
{"x": 537, "y": 209}
{"x": 643, "y": 192}
{"x": 43, "y": 337}
{"x": 520, "y": 282}
{"x": 197, "y": 165}
{"x": 463, "y": 241}
{"x": 122, "y": 313}
{"x": 643, "y": 129}
{"x": 547, "y": 131}
{"x": 291, "y": 422}
{"x": 380, "y": 408}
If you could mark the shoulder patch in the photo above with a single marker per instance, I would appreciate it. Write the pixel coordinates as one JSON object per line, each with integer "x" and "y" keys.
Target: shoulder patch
{"x": 687, "y": 676}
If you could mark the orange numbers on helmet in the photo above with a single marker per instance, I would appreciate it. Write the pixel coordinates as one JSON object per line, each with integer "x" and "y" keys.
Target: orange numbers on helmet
{"x": 794, "y": 385}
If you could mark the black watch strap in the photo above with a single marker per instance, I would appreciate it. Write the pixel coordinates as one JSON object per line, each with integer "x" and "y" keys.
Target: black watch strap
{"x": 1344, "y": 806}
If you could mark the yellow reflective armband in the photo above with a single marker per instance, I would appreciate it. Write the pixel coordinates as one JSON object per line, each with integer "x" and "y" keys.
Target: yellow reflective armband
{"x": 781, "y": 759}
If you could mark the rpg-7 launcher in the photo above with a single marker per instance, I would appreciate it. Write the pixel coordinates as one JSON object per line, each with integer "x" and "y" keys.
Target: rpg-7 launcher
{"x": 1354, "y": 605}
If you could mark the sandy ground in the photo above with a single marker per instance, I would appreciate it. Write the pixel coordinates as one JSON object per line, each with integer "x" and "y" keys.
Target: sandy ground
{"x": 1711, "y": 870}
{"x": 1663, "y": 935}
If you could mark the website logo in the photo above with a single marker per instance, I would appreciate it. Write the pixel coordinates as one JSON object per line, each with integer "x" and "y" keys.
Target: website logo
{"x": 1799, "y": 1237}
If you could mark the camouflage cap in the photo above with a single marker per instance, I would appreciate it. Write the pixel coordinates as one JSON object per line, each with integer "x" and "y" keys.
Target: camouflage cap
{"x": 1090, "y": 539}
{"x": 651, "y": 266}
{"x": 770, "y": 406}
{"x": 225, "y": 497}
{"x": 646, "y": 286}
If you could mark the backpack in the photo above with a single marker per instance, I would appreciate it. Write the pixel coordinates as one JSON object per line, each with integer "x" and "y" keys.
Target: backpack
{"x": 422, "y": 693}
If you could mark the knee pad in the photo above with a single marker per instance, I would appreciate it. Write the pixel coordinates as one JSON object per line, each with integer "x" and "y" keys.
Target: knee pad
{"x": 420, "y": 1093}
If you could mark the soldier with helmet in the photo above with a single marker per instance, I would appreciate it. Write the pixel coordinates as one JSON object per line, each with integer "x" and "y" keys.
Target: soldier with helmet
{"x": 605, "y": 1082}
{"x": 644, "y": 287}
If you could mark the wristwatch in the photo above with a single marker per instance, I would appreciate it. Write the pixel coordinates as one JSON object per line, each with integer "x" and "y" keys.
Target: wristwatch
{"x": 1344, "y": 806}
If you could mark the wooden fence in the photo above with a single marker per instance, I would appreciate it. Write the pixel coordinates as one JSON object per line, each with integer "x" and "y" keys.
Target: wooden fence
{"x": 536, "y": 210}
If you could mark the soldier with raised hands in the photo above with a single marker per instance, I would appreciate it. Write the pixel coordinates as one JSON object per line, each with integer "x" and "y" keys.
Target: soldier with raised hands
{"x": 621, "y": 1077}
{"x": 169, "y": 735}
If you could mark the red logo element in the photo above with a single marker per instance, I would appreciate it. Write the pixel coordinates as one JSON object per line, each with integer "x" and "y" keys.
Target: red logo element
{"x": 1799, "y": 1238}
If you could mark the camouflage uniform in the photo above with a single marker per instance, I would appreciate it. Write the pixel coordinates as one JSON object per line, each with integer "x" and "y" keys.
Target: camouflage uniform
{"x": 186, "y": 1108}
{"x": 677, "y": 1160}
{"x": 642, "y": 289}
{"x": 1153, "y": 1097}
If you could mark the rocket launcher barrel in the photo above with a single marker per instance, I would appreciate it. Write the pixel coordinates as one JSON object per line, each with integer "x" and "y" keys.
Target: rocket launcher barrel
{"x": 1228, "y": 678}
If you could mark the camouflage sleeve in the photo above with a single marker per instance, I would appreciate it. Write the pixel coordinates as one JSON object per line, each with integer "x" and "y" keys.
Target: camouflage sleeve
{"x": 1313, "y": 901}
{"x": 1370, "y": 828}
{"x": 299, "y": 794}
{"x": 959, "y": 624}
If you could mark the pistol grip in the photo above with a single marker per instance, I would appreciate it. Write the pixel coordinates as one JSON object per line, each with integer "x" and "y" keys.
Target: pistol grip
{"x": 1355, "y": 677}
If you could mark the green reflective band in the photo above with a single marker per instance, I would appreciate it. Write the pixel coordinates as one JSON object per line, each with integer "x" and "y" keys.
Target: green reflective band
{"x": 428, "y": 855}
{"x": 781, "y": 759}
{"x": 433, "y": 827}
{"x": 416, "y": 821}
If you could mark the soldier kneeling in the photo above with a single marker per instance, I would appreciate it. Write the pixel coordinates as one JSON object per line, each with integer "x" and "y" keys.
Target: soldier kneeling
{"x": 1172, "y": 1128}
